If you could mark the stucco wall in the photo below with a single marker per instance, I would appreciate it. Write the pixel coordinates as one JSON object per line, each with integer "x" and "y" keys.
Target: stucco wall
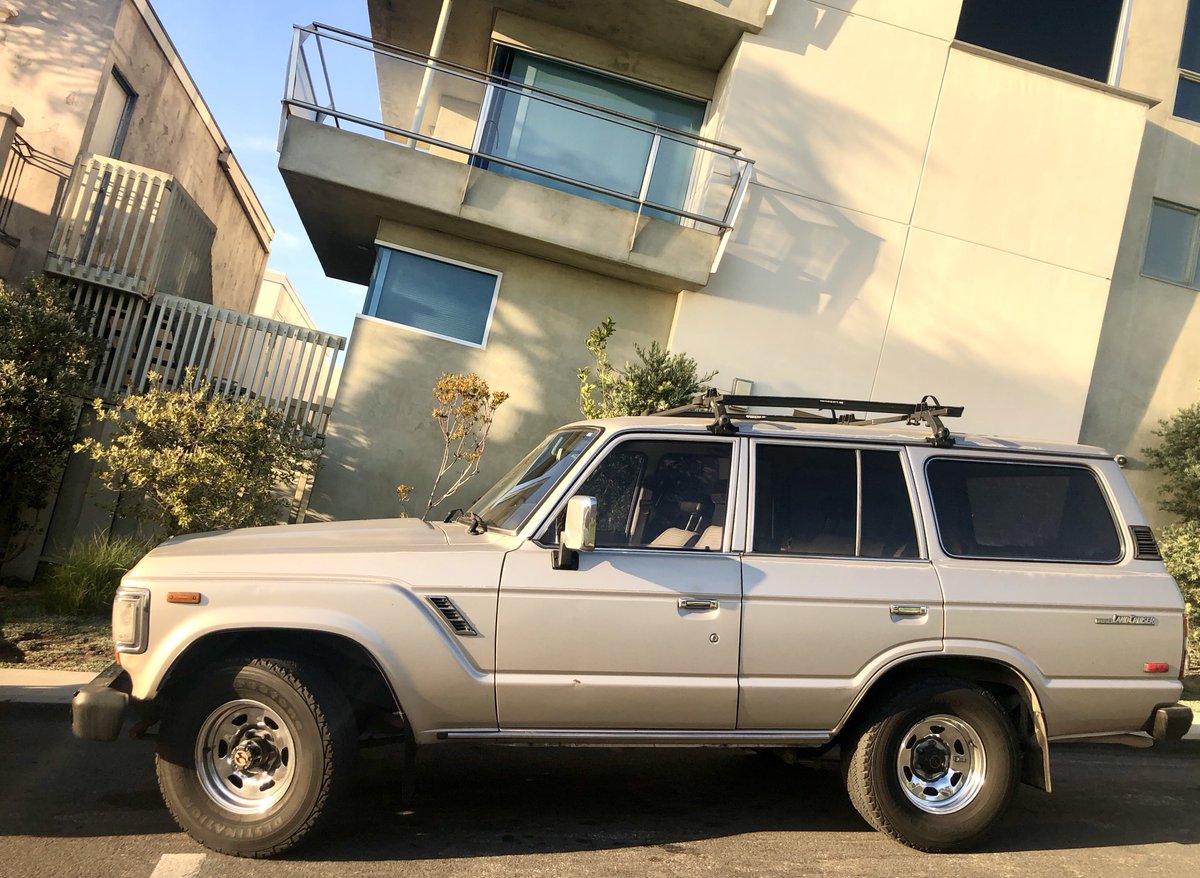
{"x": 926, "y": 232}
{"x": 381, "y": 433}
{"x": 167, "y": 132}
{"x": 52, "y": 58}
{"x": 1148, "y": 362}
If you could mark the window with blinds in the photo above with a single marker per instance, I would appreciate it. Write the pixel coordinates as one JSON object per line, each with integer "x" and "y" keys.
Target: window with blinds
{"x": 438, "y": 297}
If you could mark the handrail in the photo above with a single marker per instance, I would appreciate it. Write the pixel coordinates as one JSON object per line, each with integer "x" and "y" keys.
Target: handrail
{"x": 464, "y": 72}
{"x": 301, "y": 97}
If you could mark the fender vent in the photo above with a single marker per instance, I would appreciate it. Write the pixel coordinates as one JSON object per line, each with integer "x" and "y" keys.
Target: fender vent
{"x": 1144, "y": 546}
{"x": 453, "y": 616}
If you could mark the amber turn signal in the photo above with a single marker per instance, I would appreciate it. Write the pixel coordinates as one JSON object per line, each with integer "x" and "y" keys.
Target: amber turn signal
{"x": 183, "y": 597}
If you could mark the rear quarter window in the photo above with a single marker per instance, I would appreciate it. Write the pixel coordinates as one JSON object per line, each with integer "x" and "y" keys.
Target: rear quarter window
{"x": 1015, "y": 511}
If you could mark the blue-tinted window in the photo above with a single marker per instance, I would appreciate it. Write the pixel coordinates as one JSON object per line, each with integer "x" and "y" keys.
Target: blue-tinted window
{"x": 434, "y": 296}
{"x": 591, "y": 147}
{"x": 1171, "y": 244}
{"x": 1187, "y": 95}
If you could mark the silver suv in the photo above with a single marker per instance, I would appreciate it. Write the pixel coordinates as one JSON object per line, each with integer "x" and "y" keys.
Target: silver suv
{"x": 936, "y": 608}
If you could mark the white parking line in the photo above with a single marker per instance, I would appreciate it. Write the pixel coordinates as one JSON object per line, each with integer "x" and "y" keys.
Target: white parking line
{"x": 178, "y": 866}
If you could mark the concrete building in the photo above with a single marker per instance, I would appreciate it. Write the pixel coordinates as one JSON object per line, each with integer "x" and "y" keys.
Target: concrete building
{"x": 864, "y": 199}
{"x": 115, "y": 177}
{"x": 1148, "y": 365}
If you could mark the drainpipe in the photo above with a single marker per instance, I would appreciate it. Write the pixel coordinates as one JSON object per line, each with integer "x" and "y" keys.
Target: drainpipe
{"x": 435, "y": 50}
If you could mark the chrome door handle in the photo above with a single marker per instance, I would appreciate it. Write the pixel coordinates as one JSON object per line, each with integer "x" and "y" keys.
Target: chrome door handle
{"x": 697, "y": 604}
{"x": 909, "y": 610}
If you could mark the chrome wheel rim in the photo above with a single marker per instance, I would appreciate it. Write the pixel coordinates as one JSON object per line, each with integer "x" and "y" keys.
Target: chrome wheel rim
{"x": 245, "y": 756}
{"x": 941, "y": 764}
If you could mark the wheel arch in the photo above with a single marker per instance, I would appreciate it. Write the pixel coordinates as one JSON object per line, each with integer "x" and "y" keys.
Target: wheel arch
{"x": 1010, "y": 686}
{"x": 356, "y": 670}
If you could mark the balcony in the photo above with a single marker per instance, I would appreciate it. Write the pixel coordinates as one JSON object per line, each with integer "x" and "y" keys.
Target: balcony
{"x": 132, "y": 229}
{"x": 373, "y": 131}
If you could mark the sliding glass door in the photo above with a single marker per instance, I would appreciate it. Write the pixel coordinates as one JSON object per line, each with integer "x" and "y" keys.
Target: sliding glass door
{"x": 590, "y": 146}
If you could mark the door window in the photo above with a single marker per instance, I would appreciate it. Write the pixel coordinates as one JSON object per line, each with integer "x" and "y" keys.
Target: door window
{"x": 662, "y": 494}
{"x": 831, "y": 501}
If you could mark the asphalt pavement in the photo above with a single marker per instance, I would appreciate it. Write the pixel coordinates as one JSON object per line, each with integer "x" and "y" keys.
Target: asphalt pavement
{"x": 75, "y": 808}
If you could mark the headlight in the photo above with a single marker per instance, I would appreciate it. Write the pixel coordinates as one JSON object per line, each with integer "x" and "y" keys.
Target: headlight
{"x": 131, "y": 619}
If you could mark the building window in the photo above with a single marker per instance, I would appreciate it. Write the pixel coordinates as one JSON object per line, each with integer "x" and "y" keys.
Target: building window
{"x": 607, "y": 152}
{"x": 1075, "y": 36}
{"x": 1173, "y": 244}
{"x": 1187, "y": 95}
{"x": 112, "y": 121}
{"x": 433, "y": 296}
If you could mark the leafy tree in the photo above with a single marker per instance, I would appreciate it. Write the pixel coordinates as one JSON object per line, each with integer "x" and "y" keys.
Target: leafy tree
{"x": 1178, "y": 457}
{"x": 46, "y": 356}
{"x": 197, "y": 460}
{"x": 659, "y": 380}
{"x": 465, "y": 408}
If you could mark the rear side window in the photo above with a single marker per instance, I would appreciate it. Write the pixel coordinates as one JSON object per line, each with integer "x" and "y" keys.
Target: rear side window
{"x": 1021, "y": 512}
{"x": 831, "y": 501}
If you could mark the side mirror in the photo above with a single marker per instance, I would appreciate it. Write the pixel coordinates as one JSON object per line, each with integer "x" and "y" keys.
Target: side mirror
{"x": 578, "y": 534}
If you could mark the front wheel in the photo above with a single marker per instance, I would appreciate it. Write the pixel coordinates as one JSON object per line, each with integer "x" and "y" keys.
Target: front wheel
{"x": 936, "y": 768}
{"x": 252, "y": 754}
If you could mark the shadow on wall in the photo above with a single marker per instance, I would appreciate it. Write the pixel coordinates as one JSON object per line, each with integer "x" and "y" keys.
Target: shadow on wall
{"x": 382, "y": 432}
{"x": 1145, "y": 356}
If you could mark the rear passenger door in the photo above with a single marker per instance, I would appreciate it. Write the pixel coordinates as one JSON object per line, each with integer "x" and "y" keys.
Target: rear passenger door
{"x": 836, "y": 580}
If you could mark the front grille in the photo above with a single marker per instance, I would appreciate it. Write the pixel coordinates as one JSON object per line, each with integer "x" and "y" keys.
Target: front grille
{"x": 1145, "y": 548}
{"x": 453, "y": 616}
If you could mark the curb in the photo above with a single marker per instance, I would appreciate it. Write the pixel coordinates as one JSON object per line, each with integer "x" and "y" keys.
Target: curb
{"x": 35, "y": 686}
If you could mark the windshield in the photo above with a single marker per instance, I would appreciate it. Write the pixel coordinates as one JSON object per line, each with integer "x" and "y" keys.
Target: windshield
{"x": 513, "y": 499}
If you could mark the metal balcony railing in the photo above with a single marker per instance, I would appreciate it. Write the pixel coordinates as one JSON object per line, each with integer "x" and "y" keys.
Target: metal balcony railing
{"x": 133, "y": 229}
{"x": 21, "y": 156}
{"x": 454, "y": 111}
{"x": 285, "y": 367}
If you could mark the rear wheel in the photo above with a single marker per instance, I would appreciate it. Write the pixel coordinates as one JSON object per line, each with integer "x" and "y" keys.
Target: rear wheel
{"x": 936, "y": 768}
{"x": 252, "y": 754}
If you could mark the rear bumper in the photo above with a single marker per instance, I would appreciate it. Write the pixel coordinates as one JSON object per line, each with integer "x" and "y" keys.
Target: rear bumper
{"x": 1169, "y": 721}
{"x": 98, "y": 709}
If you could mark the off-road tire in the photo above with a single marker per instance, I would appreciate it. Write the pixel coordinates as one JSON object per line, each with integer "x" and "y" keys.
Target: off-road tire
{"x": 874, "y": 778}
{"x": 322, "y": 739}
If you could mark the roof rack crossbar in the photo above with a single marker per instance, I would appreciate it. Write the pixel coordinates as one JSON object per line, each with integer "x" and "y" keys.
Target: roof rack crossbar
{"x": 725, "y": 408}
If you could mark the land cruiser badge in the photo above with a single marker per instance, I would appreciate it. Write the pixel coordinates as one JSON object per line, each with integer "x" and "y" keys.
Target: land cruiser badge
{"x": 1126, "y": 619}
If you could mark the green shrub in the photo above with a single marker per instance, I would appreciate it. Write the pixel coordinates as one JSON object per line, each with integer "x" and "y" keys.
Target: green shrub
{"x": 86, "y": 578}
{"x": 660, "y": 380}
{"x": 45, "y": 358}
{"x": 1180, "y": 544}
{"x": 199, "y": 461}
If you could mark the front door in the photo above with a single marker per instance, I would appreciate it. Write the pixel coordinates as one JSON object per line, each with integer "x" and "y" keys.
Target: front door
{"x": 644, "y": 635}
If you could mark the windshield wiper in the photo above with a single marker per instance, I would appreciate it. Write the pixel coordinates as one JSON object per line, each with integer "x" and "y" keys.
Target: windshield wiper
{"x": 475, "y": 524}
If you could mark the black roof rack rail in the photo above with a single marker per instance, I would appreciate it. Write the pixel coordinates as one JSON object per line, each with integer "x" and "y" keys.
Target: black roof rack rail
{"x": 725, "y": 408}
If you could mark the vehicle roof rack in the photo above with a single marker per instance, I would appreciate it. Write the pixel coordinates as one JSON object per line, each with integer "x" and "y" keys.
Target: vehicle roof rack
{"x": 726, "y": 408}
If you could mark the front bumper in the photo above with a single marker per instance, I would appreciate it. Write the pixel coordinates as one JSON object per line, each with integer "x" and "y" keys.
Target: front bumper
{"x": 98, "y": 709}
{"x": 1169, "y": 721}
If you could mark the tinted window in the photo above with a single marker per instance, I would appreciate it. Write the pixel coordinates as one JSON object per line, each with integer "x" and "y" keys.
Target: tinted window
{"x": 888, "y": 529}
{"x": 434, "y": 296}
{"x": 1072, "y": 35}
{"x": 662, "y": 495}
{"x": 1019, "y": 511}
{"x": 806, "y": 503}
